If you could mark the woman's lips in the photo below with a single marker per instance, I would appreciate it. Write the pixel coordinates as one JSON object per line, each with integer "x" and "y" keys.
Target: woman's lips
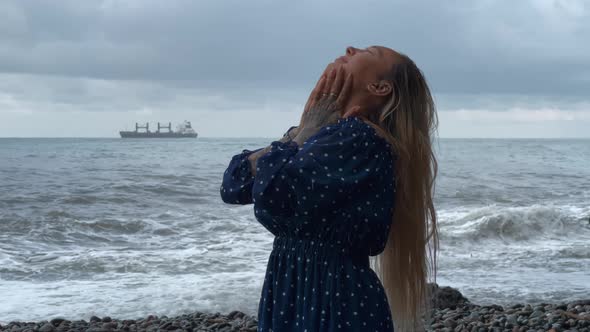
{"x": 342, "y": 59}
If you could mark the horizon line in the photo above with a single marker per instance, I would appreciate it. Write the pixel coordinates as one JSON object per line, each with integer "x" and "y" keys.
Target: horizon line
{"x": 260, "y": 137}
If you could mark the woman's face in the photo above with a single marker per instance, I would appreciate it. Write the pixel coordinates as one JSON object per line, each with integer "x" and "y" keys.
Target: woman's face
{"x": 367, "y": 64}
{"x": 367, "y": 67}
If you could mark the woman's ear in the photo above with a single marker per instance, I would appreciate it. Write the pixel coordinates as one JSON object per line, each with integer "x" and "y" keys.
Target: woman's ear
{"x": 381, "y": 88}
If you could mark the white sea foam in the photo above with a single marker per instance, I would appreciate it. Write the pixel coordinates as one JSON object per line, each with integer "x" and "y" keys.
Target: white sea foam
{"x": 131, "y": 295}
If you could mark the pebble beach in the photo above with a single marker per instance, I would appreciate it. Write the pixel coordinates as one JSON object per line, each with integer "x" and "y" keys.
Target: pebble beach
{"x": 452, "y": 313}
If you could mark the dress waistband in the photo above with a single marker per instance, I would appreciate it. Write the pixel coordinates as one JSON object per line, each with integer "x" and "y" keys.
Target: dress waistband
{"x": 319, "y": 250}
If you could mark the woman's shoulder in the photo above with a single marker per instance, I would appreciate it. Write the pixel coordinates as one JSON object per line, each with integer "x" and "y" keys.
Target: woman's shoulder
{"x": 358, "y": 130}
{"x": 367, "y": 127}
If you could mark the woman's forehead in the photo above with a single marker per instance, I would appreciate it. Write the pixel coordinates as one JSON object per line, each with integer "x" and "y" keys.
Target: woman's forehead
{"x": 387, "y": 52}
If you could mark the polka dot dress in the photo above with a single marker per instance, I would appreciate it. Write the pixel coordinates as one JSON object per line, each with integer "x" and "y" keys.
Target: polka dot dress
{"x": 329, "y": 204}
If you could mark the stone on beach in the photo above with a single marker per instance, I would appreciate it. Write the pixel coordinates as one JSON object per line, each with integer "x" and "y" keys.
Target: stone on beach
{"x": 452, "y": 312}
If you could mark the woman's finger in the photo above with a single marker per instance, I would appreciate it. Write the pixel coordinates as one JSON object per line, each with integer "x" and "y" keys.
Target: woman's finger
{"x": 328, "y": 69}
{"x": 345, "y": 91}
{"x": 319, "y": 82}
{"x": 338, "y": 81}
{"x": 317, "y": 92}
{"x": 314, "y": 93}
{"x": 329, "y": 82}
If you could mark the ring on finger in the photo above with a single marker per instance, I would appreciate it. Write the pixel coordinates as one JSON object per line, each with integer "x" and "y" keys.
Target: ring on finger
{"x": 332, "y": 94}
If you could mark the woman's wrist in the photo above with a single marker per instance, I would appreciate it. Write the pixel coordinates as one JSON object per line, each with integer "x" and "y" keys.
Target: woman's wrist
{"x": 287, "y": 137}
{"x": 291, "y": 133}
{"x": 304, "y": 134}
{"x": 253, "y": 158}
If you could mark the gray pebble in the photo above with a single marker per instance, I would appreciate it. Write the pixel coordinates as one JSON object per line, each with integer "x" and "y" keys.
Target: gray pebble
{"x": 561, "y": 317}
{"x": 48, "y": 327}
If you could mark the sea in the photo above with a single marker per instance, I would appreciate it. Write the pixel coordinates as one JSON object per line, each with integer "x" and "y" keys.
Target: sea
{"x": 131, "y": 227}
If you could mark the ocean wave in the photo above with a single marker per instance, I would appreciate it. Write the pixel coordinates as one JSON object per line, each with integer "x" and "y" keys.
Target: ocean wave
{"x": 157, "y": 189}
{"x": 575, "y": 252}
{"x": 94, "y": 199}
{"x": 509, "y": 224}
{"x": 109, "y": 225}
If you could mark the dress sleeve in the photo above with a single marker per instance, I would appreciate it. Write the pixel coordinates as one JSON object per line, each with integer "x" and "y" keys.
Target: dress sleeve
{"x": 339, "y": 165}
{"x": 236, "y": 186}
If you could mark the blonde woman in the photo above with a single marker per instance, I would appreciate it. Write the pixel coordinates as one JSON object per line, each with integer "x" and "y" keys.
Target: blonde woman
{"x": 354, "y": 180}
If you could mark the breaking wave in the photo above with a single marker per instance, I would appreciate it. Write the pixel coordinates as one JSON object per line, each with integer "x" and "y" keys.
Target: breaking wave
{"x": 510, "y": 224}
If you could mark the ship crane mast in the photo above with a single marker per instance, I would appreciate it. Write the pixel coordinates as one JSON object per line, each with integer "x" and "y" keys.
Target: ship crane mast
{"x": 169, "y": 127}
{"x": 146, "y": 127}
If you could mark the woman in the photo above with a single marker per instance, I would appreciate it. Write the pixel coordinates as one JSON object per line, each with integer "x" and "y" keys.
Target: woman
{"x": 355, "y": 179}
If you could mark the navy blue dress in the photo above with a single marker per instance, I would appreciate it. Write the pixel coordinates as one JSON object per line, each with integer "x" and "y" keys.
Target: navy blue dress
{"x": 329, "y": 204}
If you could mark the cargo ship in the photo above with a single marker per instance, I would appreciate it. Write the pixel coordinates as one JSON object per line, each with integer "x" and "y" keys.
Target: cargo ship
{"x": 184, "y": 130}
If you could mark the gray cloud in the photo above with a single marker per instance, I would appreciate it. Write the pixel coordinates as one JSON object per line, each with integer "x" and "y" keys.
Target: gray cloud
{"x": 174, "y": 58}
{"x": 528, "y": 47}
{"x": 29, "y": 93}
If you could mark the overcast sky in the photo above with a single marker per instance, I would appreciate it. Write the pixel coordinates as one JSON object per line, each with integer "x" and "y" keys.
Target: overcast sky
{"x": 245, "y": 68}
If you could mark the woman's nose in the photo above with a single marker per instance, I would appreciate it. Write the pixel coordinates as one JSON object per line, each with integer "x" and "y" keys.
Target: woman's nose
{"x": 350, "y": 50}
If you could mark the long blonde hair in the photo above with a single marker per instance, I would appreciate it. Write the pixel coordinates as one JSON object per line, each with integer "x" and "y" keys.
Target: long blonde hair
{"x": 409, "y": 122}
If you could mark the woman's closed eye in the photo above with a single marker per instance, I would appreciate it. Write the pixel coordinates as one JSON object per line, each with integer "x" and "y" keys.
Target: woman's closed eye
{"x": 371, "y": 50}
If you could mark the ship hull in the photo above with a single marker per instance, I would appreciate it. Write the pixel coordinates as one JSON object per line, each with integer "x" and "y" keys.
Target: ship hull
{"x": 133, "y": 134}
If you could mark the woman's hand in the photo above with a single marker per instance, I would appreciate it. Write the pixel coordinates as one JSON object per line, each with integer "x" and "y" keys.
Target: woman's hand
{"x": 327, "y": 99}
{"x": 325, "y": 104}
{"x": 310, "y": 100}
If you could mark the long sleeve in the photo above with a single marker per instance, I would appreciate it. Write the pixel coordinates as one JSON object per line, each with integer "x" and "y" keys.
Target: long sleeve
{"x": 236, "y": 187}
{"x": 341, "y": 165}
